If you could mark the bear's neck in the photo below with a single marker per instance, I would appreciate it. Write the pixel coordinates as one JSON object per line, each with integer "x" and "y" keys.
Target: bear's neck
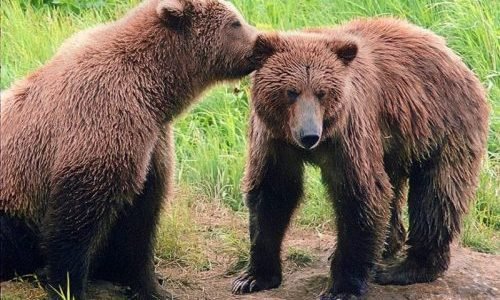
{"x": 164, "y": 62}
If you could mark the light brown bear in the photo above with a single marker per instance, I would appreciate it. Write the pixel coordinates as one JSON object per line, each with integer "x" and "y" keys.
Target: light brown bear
{"x": 378, "y": 105}
{"x": 86, "y": 140}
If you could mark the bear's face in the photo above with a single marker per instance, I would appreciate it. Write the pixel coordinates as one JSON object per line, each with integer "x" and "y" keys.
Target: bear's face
{"x": 298, "y": 92}
{"x": 222, "y": 41}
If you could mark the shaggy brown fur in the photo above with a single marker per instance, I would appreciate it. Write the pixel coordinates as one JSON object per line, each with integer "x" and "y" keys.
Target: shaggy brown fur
{"x": 375, "y": 104}
{"x": 87, "y": 143}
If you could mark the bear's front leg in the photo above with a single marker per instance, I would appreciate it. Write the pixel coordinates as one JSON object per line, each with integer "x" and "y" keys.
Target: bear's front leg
{"x": 82, "y": 210}
{"x": 271, "y": 204}
{"x": 362, "y": 206}
{"x": 129, "y": 256}
{"x": 361, "y": 227}
{"x": 70, "y": 242}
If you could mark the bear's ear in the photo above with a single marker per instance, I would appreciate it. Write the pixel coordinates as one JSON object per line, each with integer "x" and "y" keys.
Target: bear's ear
{"x": 265, "y": 46}
{"x": 173, "y": 13}
{"x": 346, "y": 51}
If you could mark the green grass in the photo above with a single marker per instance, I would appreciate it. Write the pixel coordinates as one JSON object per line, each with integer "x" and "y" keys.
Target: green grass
{"x": 210, "y": 140}
{"x": 178, "y": 238}
{"x": 299, "y": 257}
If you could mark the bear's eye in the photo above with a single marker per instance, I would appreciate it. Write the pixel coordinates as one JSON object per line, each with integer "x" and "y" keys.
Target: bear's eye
{"x": 292, "y": 95}
{"x": 320, "y": 94}
{"x": 236, "y": 24}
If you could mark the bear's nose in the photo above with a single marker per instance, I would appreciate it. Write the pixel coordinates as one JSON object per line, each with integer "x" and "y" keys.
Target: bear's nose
{"x": 308, "y": 141}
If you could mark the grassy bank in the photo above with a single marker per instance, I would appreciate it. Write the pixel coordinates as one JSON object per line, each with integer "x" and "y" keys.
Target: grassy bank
{"x": 210, "y": 139}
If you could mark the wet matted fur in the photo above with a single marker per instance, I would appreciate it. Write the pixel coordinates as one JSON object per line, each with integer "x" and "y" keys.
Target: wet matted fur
{"x": 378, "y": 105}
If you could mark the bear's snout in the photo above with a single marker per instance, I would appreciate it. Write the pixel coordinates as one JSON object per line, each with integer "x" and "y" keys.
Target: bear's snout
{"x": 308, "y": 141}
{"x": 307, "y": 124}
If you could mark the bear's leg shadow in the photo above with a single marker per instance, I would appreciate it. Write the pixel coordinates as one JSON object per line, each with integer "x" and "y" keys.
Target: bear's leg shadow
{"x": 271, "y": 205}
{"x": 440, "y": 190}
{"x": 129, "y": 256}
{"x": 19, "y": 248}
{"x": 396, "y": 235}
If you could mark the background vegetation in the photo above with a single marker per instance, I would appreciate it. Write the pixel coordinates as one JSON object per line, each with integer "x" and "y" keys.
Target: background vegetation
{"x": 211, "y": 138}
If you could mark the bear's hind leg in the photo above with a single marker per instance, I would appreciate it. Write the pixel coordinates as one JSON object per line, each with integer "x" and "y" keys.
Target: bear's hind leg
{"x": 440, "y": 190}
{"x": 271, "y": 206}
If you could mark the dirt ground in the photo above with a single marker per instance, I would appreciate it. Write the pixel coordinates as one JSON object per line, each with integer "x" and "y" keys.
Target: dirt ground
{"x": 472, "y": 275}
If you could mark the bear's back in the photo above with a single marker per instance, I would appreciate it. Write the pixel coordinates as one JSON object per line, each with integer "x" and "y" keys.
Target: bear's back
{"x": 424, "y": 89}
{"x": 25, "y": 159}
{"x": 60, "y": 108}
{"x": 420, "y": 88}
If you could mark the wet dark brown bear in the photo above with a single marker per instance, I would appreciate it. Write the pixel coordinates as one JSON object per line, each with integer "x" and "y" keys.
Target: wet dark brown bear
{"x": 87, "y": 140}
{"x": 377, "y": 105}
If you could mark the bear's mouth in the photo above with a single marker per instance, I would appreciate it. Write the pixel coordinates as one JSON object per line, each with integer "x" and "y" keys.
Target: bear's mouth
{"x": 244, "y": 67}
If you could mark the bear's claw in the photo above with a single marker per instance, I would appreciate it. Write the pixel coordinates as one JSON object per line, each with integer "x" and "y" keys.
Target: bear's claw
{"x": 341, "y": 296}
{"x": 248, "y": 283}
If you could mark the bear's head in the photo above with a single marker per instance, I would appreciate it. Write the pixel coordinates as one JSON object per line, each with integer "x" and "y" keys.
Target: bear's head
{"x": 299, "y": 91}
{"x": 218, "y": 39}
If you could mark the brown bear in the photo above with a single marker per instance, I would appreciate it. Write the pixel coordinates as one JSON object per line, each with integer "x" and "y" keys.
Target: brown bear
{"x": 377, "y": 104}
{"x": 86, "y": 140}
